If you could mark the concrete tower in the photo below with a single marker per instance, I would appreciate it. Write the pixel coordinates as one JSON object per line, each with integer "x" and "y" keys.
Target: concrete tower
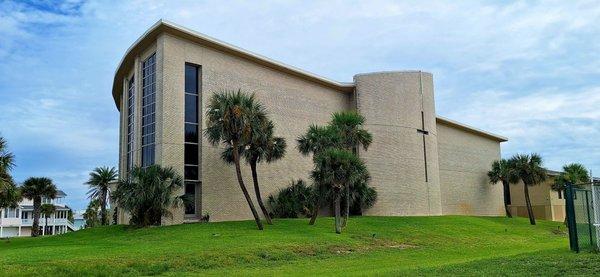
{"x": 403, "y": 159}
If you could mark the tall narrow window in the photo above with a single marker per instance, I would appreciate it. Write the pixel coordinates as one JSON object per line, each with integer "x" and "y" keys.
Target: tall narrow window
{"x": 148, "y": 110}
{"x": 130, "y": 121}
{"x": 191, "y": 141}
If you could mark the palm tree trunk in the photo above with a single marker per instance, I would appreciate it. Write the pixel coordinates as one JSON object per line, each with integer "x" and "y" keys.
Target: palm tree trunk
{"x": 338, "y": 227}
{"x": 528, "y": 202}
{"x": 36, "y": 217}
{"x": 347, "y": 207}
{"x": 103, "y": 219}
{"x": 506, "y": 186}
{"x": 261, "y": 204}
{"x": 315, "y": 213}
{"x": 46, "y": 226}
{"x": 238, "y": 171}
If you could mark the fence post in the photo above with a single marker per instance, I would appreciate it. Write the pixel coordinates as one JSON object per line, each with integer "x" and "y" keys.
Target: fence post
{"x": 587, "y": 202}
{"x": 571, "y": 222}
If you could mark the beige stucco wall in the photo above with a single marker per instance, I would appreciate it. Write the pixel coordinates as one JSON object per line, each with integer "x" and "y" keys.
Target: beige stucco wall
{"x": 464, "y": 160}
{"x": 293, "y": 104}
{"x": 392, "y": 103}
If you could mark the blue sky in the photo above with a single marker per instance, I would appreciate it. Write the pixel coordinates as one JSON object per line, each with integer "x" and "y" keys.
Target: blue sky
{"x": 526, "y": 70}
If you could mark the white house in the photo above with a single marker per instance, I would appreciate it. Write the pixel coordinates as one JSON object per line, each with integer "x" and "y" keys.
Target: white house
{"x": 17, "y": 222}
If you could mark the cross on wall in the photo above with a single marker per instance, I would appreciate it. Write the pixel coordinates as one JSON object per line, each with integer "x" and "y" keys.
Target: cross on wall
{"x": 424, "y": 133}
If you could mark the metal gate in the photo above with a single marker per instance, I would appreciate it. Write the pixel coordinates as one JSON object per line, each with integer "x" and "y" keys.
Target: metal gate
{"x": 583, "y": 216}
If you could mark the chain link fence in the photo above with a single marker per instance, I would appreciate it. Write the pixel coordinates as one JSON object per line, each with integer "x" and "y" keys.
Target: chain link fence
{"x": 583, "y": 216}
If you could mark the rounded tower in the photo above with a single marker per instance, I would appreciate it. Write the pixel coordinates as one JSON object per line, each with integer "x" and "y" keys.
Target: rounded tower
{"x": 403, "y": 159}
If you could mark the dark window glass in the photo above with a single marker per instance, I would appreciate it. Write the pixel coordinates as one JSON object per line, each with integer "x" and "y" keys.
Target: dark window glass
{"x": 190, "y": 193}
{"x": 130, "y": 121}
{"x": 191, "y": 108}
{"x": 191, "y": 172}
{"x": 191, "y": 154}
{"x": 191, "y": 133}
{"x": 148, "y": 109}
{"x": 191, "y": 79}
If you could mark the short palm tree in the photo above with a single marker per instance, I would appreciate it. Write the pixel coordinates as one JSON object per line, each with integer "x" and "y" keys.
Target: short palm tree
{"x": 337, "y": 168}
{"x": 529, "y": 170}
{"x": 362, "y": 195}
{"x": 263, "y": 147}
{"x": 500, "y": 172}
{"x": 47, "y": 210}
{"x": 350, "y": 125}
{"x": 229, "y": 119}
{"x": 36, "y": 188}
{"x": 91, "y": 214}
{"x": 148, "y": 194}
{"x": 316, "y": 140}
{"x": 99, "y": 181}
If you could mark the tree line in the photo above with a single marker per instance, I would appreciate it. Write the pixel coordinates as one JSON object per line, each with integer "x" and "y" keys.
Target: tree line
{"x": 528, "y": 169}
{"x": 239, "y": 124}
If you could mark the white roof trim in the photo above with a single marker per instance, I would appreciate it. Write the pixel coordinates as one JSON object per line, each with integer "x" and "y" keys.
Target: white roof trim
{"x": 471, "y": 129}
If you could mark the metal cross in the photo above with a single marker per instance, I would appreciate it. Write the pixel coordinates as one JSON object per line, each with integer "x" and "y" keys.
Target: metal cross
{"x": 424, "y": 133}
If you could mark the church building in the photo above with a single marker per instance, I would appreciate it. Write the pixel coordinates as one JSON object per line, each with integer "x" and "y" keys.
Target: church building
{"x": 420, "y": 163}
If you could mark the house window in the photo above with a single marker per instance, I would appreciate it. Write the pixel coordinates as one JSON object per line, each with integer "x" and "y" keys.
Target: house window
{"x": 191, "y": 136}
{"x": 10, "y": 212}
{"x": 148, "y": 110}
{"x": 130, "y": 121}
{"x": 560, "y": 194}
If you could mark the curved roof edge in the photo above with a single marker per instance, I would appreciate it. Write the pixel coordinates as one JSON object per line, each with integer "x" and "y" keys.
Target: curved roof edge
{"x": 165, "y": 26}
{"x": 174, "y": 29}
{"x": 471, "y": 129}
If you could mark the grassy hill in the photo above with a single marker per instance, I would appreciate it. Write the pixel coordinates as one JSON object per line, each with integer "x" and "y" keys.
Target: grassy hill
{"x": 369, "y": 245}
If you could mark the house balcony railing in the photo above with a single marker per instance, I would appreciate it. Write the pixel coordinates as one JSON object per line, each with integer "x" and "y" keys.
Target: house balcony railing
{"x": 51, "y": 221}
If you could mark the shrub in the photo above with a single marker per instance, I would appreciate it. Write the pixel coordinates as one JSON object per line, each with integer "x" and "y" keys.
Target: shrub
{"x": 292, "y": 202}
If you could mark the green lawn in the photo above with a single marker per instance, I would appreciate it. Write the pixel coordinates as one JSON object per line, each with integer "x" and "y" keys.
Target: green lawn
{"x": 369, "y": 246}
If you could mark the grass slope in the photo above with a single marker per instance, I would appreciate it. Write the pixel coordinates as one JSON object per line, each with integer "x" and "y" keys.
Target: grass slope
{"x": 369, "y": 246}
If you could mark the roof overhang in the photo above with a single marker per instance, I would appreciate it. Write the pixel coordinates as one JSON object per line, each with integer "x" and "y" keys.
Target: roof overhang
{"x": 163, "y": 26}
{"x": 470, "y": 129}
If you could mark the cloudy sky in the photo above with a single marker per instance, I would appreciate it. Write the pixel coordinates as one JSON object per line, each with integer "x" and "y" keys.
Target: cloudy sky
{"x": 527, "y": 70}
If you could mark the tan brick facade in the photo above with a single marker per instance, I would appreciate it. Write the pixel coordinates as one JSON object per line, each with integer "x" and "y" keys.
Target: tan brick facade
{"x": 396, "y": 105}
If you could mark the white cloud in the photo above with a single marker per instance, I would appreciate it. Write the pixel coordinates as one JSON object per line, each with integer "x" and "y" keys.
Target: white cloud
{"x": 527, "y": 70}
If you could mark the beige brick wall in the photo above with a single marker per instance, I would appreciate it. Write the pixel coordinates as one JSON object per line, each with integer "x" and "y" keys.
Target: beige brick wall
{"x": 392, "y": 104}
{"x": 464, "y": 160}
{"x": 293, "y": 104}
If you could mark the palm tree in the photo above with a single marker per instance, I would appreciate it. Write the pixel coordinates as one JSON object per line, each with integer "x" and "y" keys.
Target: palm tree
{"x": 36, "y": 188}
{"x": 337, "y": 168}
{"x": 47, "y": 210}
{"x": 529, "y": 170}
{"x": 229, "y": 119}
{"x": 362, "y": 195}
{"x": 350, "y": 126}
{"x": 148, "y": 194}
{"x": 573, "y": 174}
{"x": 500, "y": 172}
{"x": 9, "y": 194}
{"x": 7, "y": 161}
{"x": 91, "y": 214}
{"x": 99, "y": 181}
{"x": 316, "y": 140}
{"x": 263, "y": 146}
